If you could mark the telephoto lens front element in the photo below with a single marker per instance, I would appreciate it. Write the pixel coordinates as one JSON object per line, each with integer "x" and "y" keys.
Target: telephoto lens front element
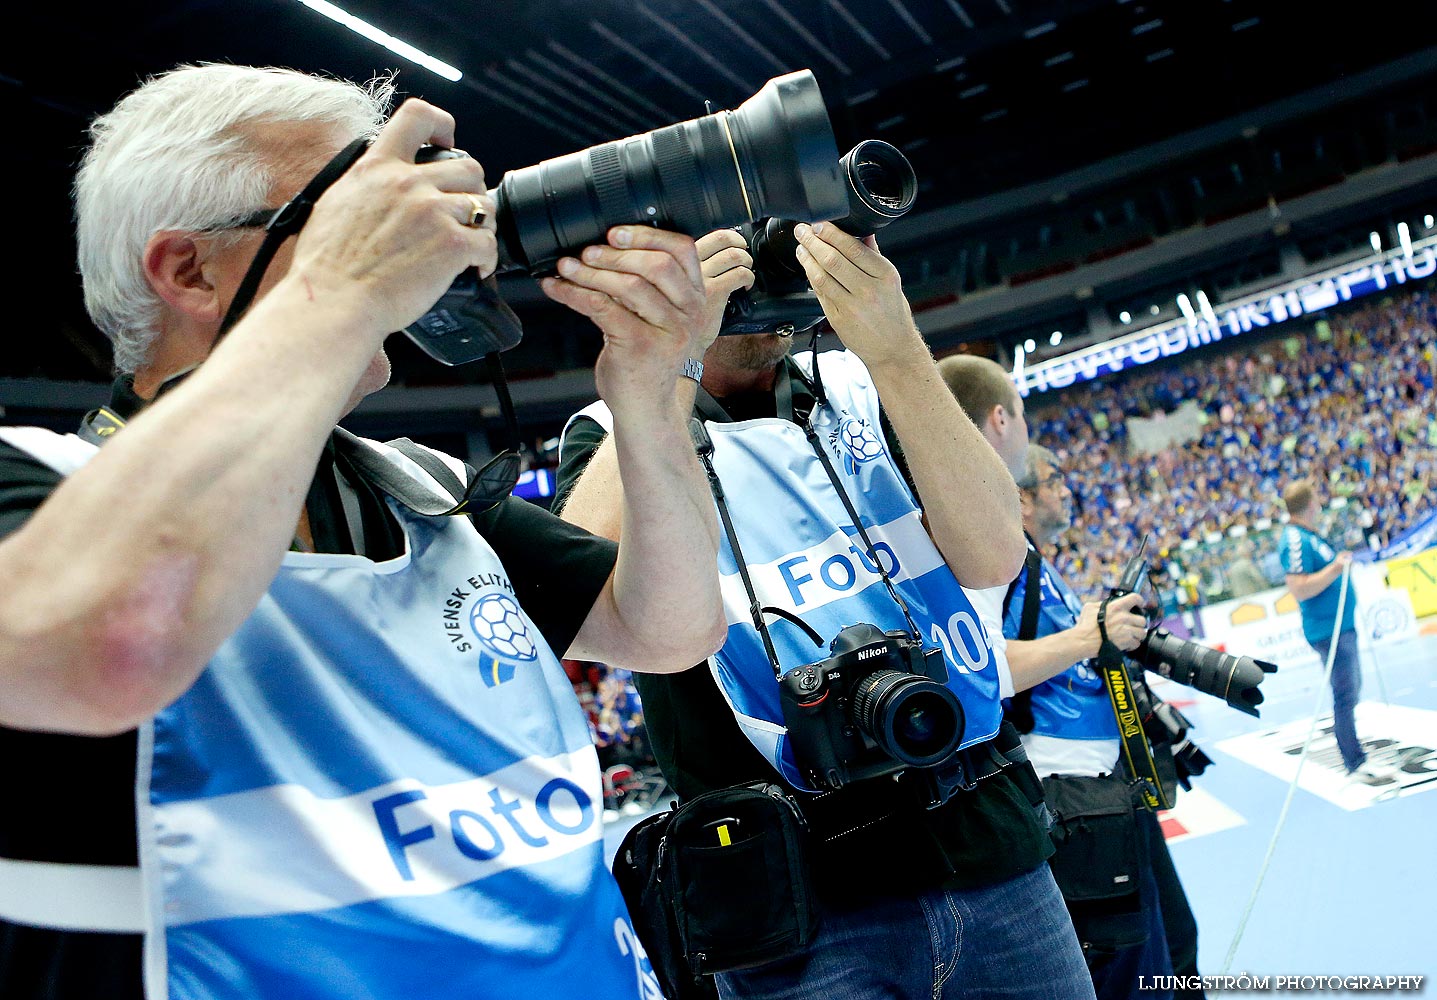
{"x": 912, "y": 718}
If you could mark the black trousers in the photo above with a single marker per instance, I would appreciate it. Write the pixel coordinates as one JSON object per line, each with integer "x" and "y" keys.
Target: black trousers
{"x": 1178, "y": 918}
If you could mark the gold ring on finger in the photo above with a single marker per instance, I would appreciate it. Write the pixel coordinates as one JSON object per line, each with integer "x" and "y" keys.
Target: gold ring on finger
{"x": 478, "y": 214}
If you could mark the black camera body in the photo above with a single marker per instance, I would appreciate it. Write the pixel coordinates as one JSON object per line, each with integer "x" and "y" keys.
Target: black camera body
{"x": 877, "y": 705}
{"x": 881, "y": 186}
{"x": 774, "y": 155}
{"x": 1234, "y": 679}
{"x": 1164, "y": 725}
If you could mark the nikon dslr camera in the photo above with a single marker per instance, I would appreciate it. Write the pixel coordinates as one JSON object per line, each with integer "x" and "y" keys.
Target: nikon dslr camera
{"x": 877, "y": 705}
{"x": 1234, "y": 679}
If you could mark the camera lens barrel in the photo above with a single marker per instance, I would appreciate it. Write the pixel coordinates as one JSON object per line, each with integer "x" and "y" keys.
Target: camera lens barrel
{"x": 774, "y": 155}
{"x": 1234, "y": 679}
{"x": 912, "y": 718}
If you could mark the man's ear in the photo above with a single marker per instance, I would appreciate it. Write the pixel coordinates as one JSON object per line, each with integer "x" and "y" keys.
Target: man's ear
{"x": 998, "y": 417}
{"x": 175, "y": 268}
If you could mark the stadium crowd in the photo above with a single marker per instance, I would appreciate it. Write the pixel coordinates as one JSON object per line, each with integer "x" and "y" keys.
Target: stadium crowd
{"x": 1350, "y": 399}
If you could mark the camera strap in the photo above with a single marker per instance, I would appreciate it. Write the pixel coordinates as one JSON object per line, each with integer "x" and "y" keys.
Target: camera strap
{"x": 1020, "y": 706}
{"x": 704, "y": 446}
{"x": 1137, "y": 751}
{"x": 709, "y": 409}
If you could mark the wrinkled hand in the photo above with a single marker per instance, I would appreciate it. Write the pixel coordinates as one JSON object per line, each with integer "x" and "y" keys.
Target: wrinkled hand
{"x": 645, "y": 292}
{"x": 860, "y": 291}
{"x": 390, "y": 235}
{"x": 1126, "y": 628}
{"x": 727, "y": 266}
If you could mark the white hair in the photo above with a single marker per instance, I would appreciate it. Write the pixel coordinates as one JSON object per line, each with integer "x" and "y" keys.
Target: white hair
{"x": 179, "y": 153}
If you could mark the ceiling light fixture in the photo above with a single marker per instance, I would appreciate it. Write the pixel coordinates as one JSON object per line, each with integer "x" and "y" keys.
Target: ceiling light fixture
{"x": 395, "y": 45}
{"x": 1206, "y": 307}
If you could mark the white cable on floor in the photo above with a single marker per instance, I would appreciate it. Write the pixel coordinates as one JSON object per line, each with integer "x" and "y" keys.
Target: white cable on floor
{"x": 1292, "y": 787}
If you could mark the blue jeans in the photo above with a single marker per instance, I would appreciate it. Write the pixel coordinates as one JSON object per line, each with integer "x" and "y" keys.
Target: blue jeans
{"x": 1346, "y": 687}
{"x": 1010, "y": 941}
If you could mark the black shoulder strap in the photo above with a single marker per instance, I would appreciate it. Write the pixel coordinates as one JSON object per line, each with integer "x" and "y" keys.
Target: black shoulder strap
{"x": 1020, "y": 706}
{"x": 1032, "y": 594}
{"x": 432, "y": 464}
{"x": 383, "y": 472}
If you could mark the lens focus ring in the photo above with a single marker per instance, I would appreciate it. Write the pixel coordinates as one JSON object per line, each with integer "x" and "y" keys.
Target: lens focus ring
{"x": 679, "y": 176}
{"x": 607, "y": 170}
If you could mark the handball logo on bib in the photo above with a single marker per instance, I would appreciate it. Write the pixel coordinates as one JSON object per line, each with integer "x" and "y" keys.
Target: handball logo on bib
{"x": 503, "y": 635}
{"x": 491, "y": 623}
{"x": 859, "y": 443}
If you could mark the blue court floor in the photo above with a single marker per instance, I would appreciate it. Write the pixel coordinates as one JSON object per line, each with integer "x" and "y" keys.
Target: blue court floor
{"x": 1352, "y": 886}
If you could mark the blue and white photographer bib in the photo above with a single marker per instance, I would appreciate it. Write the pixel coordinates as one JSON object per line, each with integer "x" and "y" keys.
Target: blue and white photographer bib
{"x": 804, "y": 555}
{"x": 1074, "y": 731}
{"x": 382, "y": 786}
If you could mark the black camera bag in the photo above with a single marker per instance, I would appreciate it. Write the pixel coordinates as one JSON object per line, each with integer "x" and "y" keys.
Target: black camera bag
{"x": 702, "y": 906}
{"x": 1100, "y": 858}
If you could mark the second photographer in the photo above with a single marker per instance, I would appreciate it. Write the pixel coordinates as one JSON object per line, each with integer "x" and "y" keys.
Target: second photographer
{"x": 1113, "y": 866}
{"x": 966, "y": 877}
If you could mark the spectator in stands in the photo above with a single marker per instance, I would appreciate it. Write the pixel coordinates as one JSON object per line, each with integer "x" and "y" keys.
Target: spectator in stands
{"x": 1355, "y": 396}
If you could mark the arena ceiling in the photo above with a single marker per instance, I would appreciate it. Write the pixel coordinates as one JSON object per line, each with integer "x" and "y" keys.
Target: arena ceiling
{"x": 985, "y": 96}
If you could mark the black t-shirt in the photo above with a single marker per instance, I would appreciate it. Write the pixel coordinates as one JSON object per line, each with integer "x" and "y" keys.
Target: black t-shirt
{"x": 977, "y": 838}
{"x": 71, "y": 799}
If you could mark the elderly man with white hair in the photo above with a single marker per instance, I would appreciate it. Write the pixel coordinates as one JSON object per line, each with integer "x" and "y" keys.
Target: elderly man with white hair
{"x": 257, "y": 707}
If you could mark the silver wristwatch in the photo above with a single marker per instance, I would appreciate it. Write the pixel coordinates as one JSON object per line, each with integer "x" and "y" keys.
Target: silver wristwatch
{"x": 694, "y": 369}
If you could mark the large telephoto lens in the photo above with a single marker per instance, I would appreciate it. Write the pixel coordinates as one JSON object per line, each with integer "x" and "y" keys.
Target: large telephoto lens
{"x": 1234, "y": 679}
{"x": 774, "y": 155}
{"x": 912, "y": 719}
{"x": 880, "y": 185}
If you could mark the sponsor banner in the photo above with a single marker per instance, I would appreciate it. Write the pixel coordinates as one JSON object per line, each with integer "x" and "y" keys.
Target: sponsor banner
{"x": 1197, "y": 814}
{"x": 1268, "y": 625}
{"x": 1303, "y": 297}
{"x": 1414, "y": 539}
{"x": 1408, "y": 743}
{"x": 1417, "y": 575}
{"x": 535, "y": 484}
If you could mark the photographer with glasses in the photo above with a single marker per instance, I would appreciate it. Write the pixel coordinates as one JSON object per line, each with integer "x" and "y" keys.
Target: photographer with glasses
{"x": 859, "y": 495}
{"x": 1126, "y": 901}
{"x": 307, "y": 740}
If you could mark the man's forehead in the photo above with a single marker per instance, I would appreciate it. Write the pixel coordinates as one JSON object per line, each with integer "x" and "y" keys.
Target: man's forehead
{"x": 296, "y": 151}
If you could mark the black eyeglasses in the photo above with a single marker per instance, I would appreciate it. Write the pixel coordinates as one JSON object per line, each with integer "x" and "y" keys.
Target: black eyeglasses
{"x": 497, "y": 479}
{"x": 257, "y": 219}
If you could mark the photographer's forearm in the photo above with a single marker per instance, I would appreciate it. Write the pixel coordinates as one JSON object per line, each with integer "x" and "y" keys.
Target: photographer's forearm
{"x": 666, "y": 612}
{"x": 126, "y": 580}
{"x": 1037, "y": 660}
{"x": 968, "y": 495}
{"x": 596, "y": 501}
